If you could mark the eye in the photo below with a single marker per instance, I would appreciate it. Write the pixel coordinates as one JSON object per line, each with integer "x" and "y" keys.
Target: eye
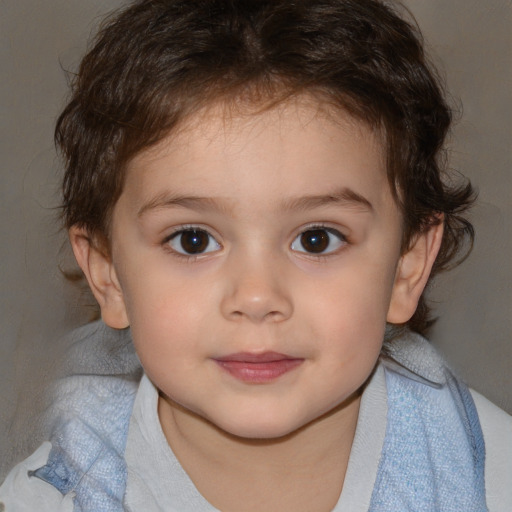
{"x": 318, "y": 240}
{"x": 192, "y": 241}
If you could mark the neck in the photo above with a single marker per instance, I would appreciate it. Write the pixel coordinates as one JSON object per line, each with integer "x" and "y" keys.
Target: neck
{"x": 303, "y": 470}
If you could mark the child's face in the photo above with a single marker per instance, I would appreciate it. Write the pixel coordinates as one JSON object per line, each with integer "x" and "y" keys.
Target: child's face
{"x": 256, "y": 259}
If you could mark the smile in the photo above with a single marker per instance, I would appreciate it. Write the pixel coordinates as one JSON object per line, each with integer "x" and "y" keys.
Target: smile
{"x": 258, "y": 368}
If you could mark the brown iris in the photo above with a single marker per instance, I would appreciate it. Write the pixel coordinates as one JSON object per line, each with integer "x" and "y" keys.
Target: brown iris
{"x": 315, "y": 240}
{"x": 193, "y": 241}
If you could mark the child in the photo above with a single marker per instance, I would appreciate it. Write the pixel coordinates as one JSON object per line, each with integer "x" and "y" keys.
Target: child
{"x": 256, "y": 189}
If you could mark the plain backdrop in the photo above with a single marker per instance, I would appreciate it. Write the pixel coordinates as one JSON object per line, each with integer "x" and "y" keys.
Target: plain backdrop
{"x": 471, "y": 42}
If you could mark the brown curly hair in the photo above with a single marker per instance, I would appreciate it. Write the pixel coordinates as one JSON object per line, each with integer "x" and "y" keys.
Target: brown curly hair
{"x": 156, "y": 62}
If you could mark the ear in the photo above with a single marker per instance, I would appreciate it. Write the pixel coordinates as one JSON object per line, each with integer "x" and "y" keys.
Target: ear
{"x": 412, "y": 274}
{"x": 101, "y": 276}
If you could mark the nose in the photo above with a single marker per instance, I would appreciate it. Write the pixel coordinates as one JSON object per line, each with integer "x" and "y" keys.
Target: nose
{"x": 256, "y": 291}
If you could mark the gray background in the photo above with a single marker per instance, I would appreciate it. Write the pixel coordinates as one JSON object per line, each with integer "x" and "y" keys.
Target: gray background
{"x": 471, "y": 40}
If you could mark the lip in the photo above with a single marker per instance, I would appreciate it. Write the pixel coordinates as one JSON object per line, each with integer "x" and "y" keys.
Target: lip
{"x": 258, "y": 368}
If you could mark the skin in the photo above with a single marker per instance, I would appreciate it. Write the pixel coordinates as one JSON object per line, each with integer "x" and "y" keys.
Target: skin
{"x": 254, "y": 183}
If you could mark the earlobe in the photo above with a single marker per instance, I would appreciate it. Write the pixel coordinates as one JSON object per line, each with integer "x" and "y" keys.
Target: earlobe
{"x": 102, "y": 278}
{"x": 412, "y": 274}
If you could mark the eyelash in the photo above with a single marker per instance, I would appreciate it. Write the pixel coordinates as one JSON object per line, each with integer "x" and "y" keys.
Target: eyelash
{"x": 321, "y": 240}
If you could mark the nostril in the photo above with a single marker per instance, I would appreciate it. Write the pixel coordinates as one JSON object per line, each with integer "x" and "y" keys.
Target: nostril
{"x": 256, "y": 298}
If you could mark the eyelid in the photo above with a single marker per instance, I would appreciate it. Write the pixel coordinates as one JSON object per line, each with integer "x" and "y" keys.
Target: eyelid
{"x": 189, "y": 227}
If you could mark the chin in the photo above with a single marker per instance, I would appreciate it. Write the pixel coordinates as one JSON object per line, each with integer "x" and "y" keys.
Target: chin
{"x": 257, "y": 428}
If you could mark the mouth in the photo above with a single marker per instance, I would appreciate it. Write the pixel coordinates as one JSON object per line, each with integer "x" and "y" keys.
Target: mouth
{"x": 258, "y": 368}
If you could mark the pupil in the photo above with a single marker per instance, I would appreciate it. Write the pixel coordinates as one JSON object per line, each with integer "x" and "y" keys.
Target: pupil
{"x": 315, "y": 240}
{"x": 194, "y": 242}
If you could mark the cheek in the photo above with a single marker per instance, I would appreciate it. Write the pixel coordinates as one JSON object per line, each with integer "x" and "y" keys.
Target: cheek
{"x": 353, "y": 299}
{"x": 347, "y": 314}
{"x": 167, "y": 317}
{"x": 155, "y": 291}
{"x": 352, "y": 334}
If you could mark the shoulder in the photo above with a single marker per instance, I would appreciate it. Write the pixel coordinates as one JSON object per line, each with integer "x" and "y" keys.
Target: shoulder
{"x": 435, "y": 395}
{"x": 22, "y": 492}
{"x": 83, "y": 461}
{"x": 496, "y": 425}
{"x": 99, "y": 379}
{"x": 497, "y": 430}
{"x": 87, "y": 423}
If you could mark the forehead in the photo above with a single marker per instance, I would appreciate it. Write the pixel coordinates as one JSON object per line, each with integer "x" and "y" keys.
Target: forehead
{"x": 298, "y": 147}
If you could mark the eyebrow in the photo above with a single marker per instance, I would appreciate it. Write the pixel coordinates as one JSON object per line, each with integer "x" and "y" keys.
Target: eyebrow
{"x": 343, "y": 197}
{"x": 169, "y": 200}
